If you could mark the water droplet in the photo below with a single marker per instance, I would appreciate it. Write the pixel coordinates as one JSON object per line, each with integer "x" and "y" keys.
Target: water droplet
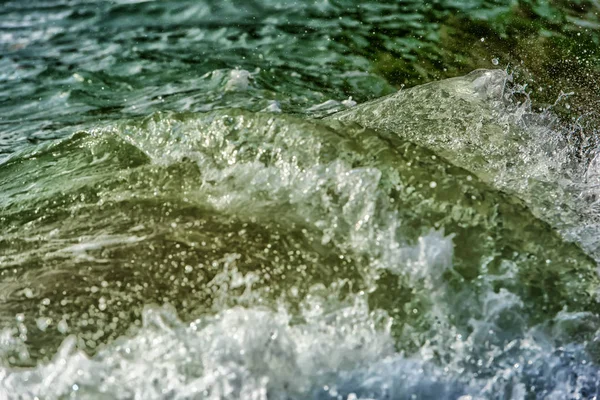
{"x": 495, "y": 61}
{"x": 102, "y": 304}
{"x": 62, "y": 326}
{"x": 42, "y": 323}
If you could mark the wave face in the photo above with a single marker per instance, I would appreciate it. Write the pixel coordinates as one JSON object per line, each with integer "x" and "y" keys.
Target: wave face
{"x": 401, "y": 249}
{"x": 475, "y": 122}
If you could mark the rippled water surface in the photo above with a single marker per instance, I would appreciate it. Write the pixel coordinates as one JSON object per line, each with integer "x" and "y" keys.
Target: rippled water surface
{"x": 299, "y": 199}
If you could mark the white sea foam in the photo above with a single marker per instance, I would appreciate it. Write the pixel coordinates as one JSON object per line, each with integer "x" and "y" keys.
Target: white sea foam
{"x": 337, "y": 352}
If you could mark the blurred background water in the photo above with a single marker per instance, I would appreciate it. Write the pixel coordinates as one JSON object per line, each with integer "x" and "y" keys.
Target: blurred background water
{"x": 66, "y": 63}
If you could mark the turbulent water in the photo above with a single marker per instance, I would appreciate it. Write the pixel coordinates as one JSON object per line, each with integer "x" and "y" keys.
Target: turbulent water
{"x": 194, "y": 206}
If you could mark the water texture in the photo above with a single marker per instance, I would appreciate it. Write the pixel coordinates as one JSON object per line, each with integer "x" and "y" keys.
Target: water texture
{"x": 265, "y": 200}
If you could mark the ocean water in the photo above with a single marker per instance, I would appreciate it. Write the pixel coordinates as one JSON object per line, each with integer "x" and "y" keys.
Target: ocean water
{"x": 250, "y": 200}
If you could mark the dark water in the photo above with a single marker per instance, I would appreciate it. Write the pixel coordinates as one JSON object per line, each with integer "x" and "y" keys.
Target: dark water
{"x": 214, "y": 200}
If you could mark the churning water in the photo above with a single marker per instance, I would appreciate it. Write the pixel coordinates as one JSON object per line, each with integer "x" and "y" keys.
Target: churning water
{"x": 176, "y": 227}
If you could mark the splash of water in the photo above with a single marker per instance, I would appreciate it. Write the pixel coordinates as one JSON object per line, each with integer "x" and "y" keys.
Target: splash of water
{"x": 304, "y": 258}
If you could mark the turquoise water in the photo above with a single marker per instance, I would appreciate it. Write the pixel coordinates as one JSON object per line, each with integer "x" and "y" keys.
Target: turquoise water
{"x": 298, "y": 200}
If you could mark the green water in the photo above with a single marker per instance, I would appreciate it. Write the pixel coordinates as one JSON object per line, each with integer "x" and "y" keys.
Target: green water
{"x": 67, "y": 63}
{"x": 250, "y": 200}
